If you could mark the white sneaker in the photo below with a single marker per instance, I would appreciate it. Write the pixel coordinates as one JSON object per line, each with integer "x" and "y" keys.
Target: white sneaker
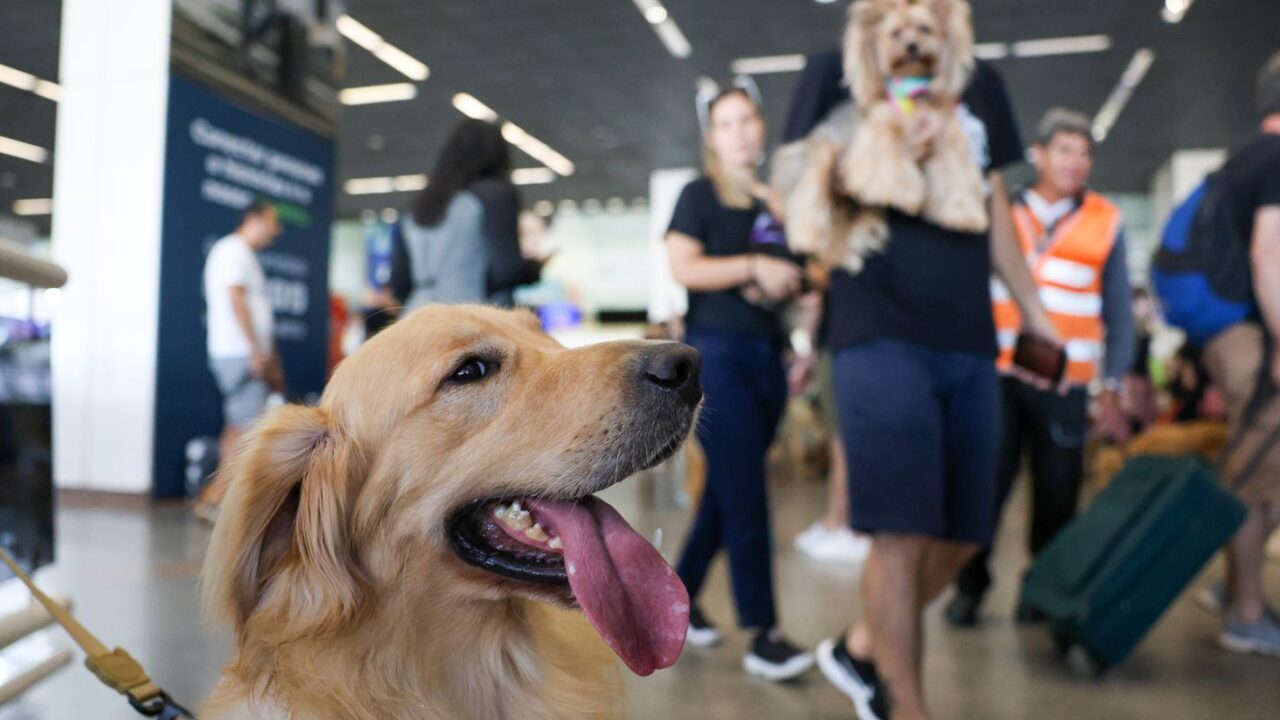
{"x": 811, "y": 536}
{"x": 841, "y": 545}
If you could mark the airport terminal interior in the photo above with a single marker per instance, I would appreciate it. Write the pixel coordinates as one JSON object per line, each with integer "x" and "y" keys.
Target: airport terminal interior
{"x": 919, "y": 354}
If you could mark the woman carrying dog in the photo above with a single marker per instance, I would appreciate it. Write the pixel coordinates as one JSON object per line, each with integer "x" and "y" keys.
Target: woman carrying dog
{"x": 728, "y": 250}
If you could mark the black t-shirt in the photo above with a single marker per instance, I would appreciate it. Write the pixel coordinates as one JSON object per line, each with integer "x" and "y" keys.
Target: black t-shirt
{"x": 931, "y": 285}
{"x": 1252, "y": 176}
{"x": 723, "y": 230}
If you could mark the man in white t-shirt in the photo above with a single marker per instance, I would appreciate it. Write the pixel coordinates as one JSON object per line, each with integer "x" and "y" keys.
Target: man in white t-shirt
{"x": 242, "y": 351}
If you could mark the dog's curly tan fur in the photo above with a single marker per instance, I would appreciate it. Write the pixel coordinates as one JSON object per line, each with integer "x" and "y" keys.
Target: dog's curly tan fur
{"x": 331, "y": 559}
{"x": 920, "y": 164}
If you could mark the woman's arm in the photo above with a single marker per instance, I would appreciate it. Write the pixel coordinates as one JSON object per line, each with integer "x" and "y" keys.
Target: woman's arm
{"x": 699, "y": 272}
{"x": 1011, "y": 265}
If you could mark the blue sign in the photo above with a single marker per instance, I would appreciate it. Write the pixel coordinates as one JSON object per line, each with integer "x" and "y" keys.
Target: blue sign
{"x": 219, "y": 157}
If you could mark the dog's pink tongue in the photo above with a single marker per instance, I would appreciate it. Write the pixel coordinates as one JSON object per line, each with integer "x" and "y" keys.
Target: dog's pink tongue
{"x": 628, "y": 592}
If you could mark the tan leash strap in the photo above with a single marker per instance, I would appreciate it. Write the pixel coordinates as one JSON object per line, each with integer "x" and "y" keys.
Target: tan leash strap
{"x": 115, "y": 668}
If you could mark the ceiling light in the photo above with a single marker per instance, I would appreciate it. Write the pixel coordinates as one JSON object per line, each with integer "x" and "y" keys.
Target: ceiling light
{"x": 378, "y": 185}
{"x": 1174, "y": 10}
{"x": 1062, "y": 45}
{"x": 768, "y": 64}
{"x": 358, "y": 33}
{"x": 33, "y": 206}
{"x": 390, "y": 215}
{"x": 26, "y": 81}
{"x": 536, "y": 149}
{"x": 568, "y": 207}
{"x": 991, "y": 51}
{"x": 26, "y": 151}
{"x": 471, "y": 107}
{"x": 408, "y": 65}
{"x": 668, "y": 32}
{"x": 615, "y": 205}
{"x": 590, "y": 206}
{"x": 674, "y": 40}
{"x": 409, "y": 183}
{"x": 532, "y": 176}
{"x": 370, "y": 94}
{"x": 1132, "y": 76}
{"x": 544, "y": 207}
{"x": 825, "y": 2}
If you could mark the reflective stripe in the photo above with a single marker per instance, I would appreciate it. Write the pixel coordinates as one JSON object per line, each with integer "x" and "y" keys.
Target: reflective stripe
{"x": 1088, "y": 351}
{"x": 1068, "y": 272}
{"x": 999, "y": 291}
{"x": 1008, "y": 339}
{"x": 1066, "y": 302}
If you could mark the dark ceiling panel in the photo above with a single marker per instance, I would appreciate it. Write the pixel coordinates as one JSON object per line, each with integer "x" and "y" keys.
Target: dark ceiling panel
{"x": 591, "y": 79}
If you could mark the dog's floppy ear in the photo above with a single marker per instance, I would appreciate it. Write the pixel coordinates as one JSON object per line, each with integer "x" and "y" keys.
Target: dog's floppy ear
{"x": 281, "y": 550}
{"x": 861, "y": 66}
{"x": 956, "y": 62}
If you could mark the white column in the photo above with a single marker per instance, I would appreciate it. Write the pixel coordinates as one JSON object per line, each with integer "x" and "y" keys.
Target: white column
{"x": 667, "y": 299}
{"x": 108, "y": 190}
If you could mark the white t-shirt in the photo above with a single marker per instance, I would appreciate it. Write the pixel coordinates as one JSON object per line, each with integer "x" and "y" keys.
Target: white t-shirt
{"x": 232, "y": 262}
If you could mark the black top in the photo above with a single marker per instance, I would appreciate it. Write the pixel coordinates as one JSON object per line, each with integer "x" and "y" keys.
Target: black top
{"x": 508, "y": 269}
{"x": 1252, "y": 177}
{"x": 723, "y": 230}
{"x": 931, "y": 285}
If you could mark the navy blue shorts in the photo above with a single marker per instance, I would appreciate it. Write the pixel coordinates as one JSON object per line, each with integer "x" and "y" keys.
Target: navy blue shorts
{"x": 921, "y": 432}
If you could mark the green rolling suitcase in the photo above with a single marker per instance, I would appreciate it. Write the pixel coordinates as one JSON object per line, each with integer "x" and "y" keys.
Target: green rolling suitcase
{"x": 1113, "y": 571}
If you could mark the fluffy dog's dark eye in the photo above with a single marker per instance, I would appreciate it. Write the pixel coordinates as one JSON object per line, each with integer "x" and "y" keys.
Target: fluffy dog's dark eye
{"x": 926, "y": 30}
{"x": 472, "y": 370}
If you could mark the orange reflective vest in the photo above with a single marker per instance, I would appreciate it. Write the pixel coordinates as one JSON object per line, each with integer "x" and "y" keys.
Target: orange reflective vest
{"x": 1069, "y": 274}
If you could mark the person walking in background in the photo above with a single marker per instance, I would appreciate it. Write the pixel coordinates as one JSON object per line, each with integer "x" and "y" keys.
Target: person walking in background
{"x": 913, "y": 341}
{"x": 722, "y": 248}
{"x": 1241, "y": 356}
{"x": 240, "y": 334}
{"x": 461, "y": 243}
{"x": 1073, "y": 240}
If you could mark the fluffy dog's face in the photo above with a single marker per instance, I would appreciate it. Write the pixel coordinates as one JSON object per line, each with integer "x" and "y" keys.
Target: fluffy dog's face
{"x": 900, "y": 38}
{"x": 453, "y": 460}
{"x": 909, "y": 41}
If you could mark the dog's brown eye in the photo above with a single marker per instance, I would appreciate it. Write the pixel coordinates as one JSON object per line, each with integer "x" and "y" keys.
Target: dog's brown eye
{"x": 472, "y": 370}
{"x": 926, "y": 30}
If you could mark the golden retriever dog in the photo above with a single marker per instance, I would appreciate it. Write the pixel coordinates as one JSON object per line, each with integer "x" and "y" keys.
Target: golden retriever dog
{"x": 901, "y": 145}
{"x": 425, "y": 544}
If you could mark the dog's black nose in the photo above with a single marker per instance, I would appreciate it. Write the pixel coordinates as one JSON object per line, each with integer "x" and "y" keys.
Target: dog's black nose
{"x": 674, "y": 368}
{"x": 913, "y": 49}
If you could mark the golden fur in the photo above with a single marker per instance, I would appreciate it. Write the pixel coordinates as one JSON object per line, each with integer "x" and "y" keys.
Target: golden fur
{"x": 330, "y": 559}
{"x": 877, "y": 156}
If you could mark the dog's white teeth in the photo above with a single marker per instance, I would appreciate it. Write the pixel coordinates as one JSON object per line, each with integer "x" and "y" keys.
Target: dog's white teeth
{"x": 520, "y": 520}
{"x": 536, "y": 533}
{"x": 555, "y": 544}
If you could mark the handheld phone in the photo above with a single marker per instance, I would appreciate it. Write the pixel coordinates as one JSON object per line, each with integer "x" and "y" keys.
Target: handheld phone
{"x": 1041, "y": 357}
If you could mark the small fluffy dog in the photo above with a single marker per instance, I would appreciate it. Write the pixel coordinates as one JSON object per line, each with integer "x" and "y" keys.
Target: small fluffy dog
{"x": 902, "y": 146}
{"x": 410, "y": 548}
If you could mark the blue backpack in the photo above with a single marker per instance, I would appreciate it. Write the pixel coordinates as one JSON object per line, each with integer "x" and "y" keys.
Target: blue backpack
{"x": 1201, "y": 272}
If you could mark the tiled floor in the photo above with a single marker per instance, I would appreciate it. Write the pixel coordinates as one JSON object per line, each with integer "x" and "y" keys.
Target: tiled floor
{"x": 133, "y": 577}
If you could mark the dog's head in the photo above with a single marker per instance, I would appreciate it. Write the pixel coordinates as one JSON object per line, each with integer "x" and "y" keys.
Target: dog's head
{"x": 899, "y": 38}
{"x": 453, "y": 459}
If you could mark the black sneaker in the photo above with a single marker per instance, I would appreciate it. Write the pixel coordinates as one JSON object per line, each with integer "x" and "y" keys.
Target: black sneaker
{"x": 856, "y": 678}
{"x": 773, "y": 657}
{"x": 701, "y": 632}
{"x": 962, "y": 611}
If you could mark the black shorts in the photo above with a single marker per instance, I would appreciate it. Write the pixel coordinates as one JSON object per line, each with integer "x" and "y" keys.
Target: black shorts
{"x": 921, "y": 430}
